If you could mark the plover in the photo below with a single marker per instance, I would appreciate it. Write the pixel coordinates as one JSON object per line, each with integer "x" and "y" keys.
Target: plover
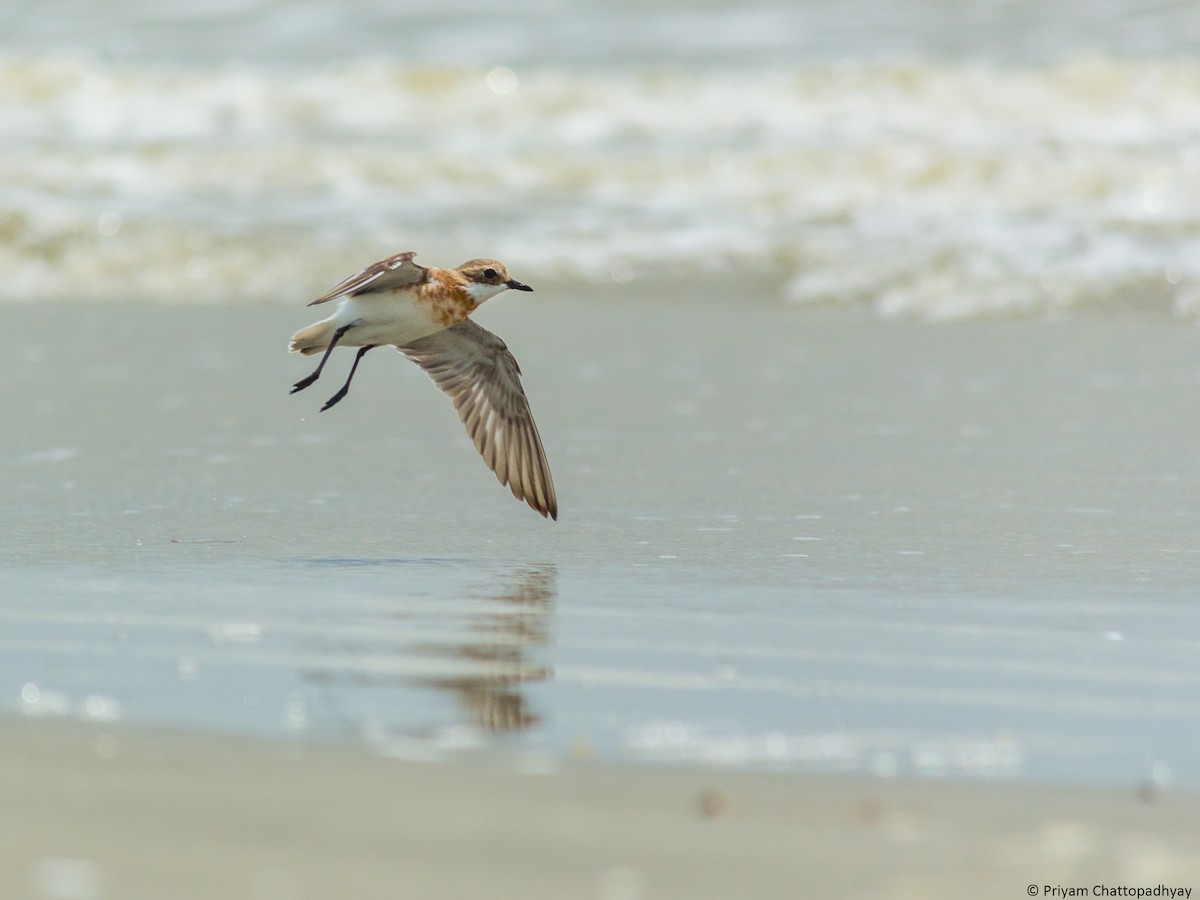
{"x": 423, "y": 311}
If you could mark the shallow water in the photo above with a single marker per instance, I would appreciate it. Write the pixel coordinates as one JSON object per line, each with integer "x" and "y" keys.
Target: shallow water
{"x": 835, "y": 544}
{"x": 425, "y": 658}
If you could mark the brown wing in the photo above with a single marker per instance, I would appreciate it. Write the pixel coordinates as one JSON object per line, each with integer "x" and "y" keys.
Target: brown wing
{"x": 474, "y": 369}
{"x": 395, "y": 271}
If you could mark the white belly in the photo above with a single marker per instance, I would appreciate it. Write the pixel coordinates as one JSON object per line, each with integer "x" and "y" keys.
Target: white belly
{"x": 383, "y": 319}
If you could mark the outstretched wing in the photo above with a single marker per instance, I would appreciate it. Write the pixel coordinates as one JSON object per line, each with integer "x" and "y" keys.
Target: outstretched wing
{"x": 395, "y": 271}
{"x": 474, "y": 369}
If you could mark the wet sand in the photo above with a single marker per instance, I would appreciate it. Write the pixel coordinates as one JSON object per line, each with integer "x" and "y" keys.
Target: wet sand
{"x": 705, "y": 436}
{"x": 101, "y": 813}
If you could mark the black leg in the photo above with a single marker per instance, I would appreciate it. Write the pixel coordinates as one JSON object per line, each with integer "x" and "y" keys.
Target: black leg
{"x": 305, "y": 382}
{"x": 346, "y": 387}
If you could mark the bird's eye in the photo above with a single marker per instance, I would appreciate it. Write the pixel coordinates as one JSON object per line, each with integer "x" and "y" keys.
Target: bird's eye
{"x": 489, "y": 273}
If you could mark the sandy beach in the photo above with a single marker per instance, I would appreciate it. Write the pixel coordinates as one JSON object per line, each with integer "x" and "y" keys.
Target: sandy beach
{"x": 95, "y": 812}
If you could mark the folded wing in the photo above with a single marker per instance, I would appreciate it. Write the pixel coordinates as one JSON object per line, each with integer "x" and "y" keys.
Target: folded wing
{"x": 474, "y": 369}
{"x": 393, "y": 272}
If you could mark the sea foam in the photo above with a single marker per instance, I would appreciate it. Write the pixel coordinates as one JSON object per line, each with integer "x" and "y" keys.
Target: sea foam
{"x": 931, "y": 189}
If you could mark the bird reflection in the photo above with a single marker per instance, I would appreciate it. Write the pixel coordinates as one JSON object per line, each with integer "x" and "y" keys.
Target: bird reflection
{"x": 497, "y": 646}
{"x": 496, "y": 629}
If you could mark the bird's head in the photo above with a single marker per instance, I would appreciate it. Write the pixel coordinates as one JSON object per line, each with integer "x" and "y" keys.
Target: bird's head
{"x": 488, "y": 277}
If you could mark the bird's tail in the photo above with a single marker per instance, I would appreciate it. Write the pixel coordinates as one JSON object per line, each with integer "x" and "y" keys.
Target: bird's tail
{"x": 313, "y": 339}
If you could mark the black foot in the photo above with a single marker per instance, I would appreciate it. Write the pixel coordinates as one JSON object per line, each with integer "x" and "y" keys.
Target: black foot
{"x": 334, "y": 400}
{"x": 303, "y": 383}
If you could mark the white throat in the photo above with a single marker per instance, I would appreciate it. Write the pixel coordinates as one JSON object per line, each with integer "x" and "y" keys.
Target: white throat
{"x": 481, "y": 292}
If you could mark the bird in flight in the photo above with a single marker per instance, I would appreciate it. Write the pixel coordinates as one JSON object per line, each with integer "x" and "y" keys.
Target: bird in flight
{"x": 424, "y": 312}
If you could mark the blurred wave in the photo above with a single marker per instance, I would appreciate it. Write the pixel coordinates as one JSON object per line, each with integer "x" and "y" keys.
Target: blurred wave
{"x": 932, "y": 188}
{"x": 601, "y": 33}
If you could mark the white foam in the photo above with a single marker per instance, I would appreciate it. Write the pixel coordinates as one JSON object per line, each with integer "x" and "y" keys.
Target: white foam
{"x": 937, "y": 190}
